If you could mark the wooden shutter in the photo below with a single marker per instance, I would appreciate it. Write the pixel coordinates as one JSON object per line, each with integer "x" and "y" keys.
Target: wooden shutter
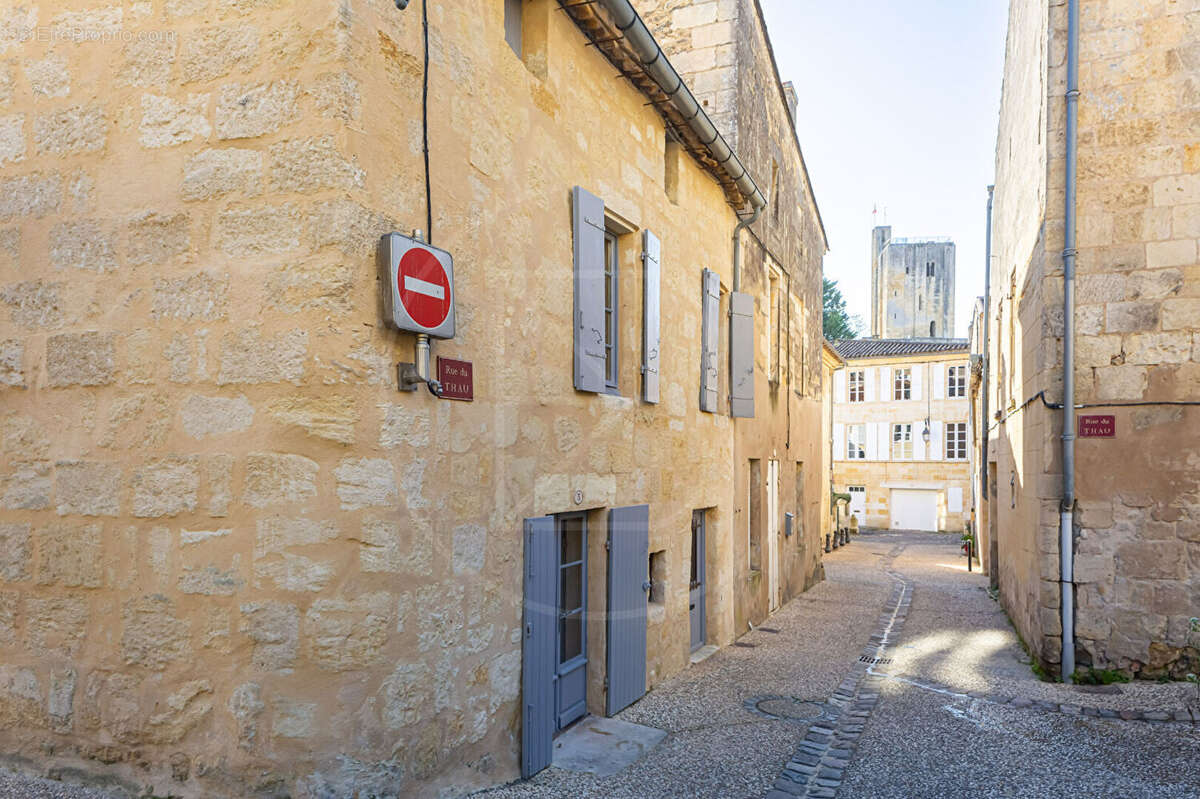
{"x": 839, "y": 385}
{"x": 839, "y": 442}
{"x": 538, "y": 656}
{"x": 872, "y": 444}
{"x": 887, "y": 392}
{"x": 741, "y": 355}
{"x": 869, "y": 379}
{"x": 628, "y": 562}
{"x": 918, "y": 371}
{"x": 918, "y": 443}
{"x": 937, "y": 381}
{"x": 651, "y": 314}
{"x": 885, "y": 441}
{"x": 588, "y": 228}
{"x": 710, "y": 312}
{"x": 935, "y": 441}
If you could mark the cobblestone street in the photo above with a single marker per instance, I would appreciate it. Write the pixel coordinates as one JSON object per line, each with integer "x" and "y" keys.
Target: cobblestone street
{"x": 958, "y": 713}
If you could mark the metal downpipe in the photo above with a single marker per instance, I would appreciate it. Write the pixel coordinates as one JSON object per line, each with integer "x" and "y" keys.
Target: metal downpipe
{"x": 1067, "y": 522}
{"x": 985, "y": 405}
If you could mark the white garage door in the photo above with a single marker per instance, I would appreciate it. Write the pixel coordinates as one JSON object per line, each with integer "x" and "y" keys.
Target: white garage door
{"x": 913, "y": 509}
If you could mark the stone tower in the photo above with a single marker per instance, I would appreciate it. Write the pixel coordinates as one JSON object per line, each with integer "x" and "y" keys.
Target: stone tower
{"x": 912, "y": 286}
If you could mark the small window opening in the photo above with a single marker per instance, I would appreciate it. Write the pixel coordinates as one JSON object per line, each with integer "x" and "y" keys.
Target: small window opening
{"x": 671, "y": 169}
{"x": 933, "y": 329}
{"x": 754, "y": 517}
{"x": 929, "y": 269}
{"x": 513, "y": 24}
{"x": 658, "y": 577}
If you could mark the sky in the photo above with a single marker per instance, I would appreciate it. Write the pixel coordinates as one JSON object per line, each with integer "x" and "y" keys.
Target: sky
{"x": 898, "y": 108}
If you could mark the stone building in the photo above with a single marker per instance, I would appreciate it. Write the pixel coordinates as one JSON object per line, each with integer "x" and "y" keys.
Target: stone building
{"x": 830, "y": 363}
{"x": 900, "y": 432}
{"x": 912, "y": 286}
{"x": 1133, "y": 530}
{"x": 236, "y": 560}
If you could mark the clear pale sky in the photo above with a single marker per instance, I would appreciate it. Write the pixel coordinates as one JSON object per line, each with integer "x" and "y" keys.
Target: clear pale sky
{"x": 899, "y": 103}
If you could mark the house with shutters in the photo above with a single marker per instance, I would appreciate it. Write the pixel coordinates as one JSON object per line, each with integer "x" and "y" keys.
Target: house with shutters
{"x": 901, "y": 432}
{"x": 237, "y": 558}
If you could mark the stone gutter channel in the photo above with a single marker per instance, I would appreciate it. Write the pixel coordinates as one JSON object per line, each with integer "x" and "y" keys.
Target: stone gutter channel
{"x": 817, "y": 767}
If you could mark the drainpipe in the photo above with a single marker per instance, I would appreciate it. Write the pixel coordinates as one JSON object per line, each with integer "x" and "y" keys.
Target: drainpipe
{"x": 1066, "y": 529}
{"x": 985, "y": 409}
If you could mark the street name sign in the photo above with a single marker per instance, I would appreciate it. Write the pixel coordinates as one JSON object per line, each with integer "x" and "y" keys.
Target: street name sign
{"x": 1097, "y": 426}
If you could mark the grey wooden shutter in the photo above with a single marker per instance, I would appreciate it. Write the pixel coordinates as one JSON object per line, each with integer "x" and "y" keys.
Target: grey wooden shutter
{"x": 628, "y": 564}
{"x": 741, "y": 354}
{"x": 538, "y": 661}
{"x": 588, "y": 226}
{"x": 651, "y": 314}
{"x": 710, "y": 330}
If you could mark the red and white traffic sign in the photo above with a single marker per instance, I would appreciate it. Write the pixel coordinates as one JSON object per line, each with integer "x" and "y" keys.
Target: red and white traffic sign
{"x": 419, "y": 288}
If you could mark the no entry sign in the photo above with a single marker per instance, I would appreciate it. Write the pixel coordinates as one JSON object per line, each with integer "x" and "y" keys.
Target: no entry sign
{"x": 418, "y": 292}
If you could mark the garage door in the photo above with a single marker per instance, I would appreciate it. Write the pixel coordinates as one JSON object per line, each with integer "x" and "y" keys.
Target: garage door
{"x": 913, "y": 509}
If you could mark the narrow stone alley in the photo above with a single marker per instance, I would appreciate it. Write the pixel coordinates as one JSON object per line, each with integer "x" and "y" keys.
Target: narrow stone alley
{"x": 952, "y": 709}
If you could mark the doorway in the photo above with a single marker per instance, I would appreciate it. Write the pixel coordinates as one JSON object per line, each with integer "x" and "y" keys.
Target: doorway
{"x": 696, "y": 609}
{"x": 858, "y": 503}
{"x": 773, "y": 587}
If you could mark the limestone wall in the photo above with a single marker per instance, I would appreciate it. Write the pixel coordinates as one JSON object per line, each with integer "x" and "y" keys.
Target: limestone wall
{"x": 1138, "y": 560}
{"x": 236, "y": 561}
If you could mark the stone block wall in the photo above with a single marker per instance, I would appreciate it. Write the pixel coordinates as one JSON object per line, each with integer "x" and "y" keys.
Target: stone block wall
{"x": 1138, "y": 564}
{"x": 234, "y": 560}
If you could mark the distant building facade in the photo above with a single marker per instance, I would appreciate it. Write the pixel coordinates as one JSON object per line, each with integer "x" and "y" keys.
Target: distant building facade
{"x": 886, "y": 397}
{"x": 912, "y": 286}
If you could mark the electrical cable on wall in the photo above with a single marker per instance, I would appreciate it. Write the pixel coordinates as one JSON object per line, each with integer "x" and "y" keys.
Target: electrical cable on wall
{"x": 425, "y": 118}
{"x": 1057, "y": 406}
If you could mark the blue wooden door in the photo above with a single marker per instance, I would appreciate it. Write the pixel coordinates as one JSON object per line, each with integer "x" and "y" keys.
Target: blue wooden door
{"x": 628, "y": 552}
{"x": 538, "y": 656}
{"x": 696, "y": 610}
{"x": 571, "y": 670}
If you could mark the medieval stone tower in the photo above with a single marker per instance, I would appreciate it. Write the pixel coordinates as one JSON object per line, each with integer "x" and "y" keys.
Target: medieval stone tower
{"x": 912, "y": 286}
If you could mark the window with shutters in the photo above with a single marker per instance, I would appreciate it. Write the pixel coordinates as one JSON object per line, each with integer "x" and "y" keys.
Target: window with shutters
{"x": 902, "y": 384}
{"x": 856, "y": 442}
{"x": 902, "y": 442}
{"x": 956, "y": 441}
{"x": 611, "y": 313}
{"x": 956, "y": 382}
{"x": 857, "y": 384}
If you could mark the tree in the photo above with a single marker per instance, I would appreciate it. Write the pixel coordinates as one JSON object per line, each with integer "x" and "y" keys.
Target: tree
{"x": 838, "y": 324}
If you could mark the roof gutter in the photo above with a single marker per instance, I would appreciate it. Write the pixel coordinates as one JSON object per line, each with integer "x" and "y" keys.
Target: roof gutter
{"x": 654, "y": 62}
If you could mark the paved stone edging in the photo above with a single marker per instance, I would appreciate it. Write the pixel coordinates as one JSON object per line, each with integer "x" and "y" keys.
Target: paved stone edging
{"x": 820, "y": 761}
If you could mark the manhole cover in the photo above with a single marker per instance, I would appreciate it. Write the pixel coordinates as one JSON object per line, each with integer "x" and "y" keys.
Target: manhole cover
{"x": 789, "y": 707}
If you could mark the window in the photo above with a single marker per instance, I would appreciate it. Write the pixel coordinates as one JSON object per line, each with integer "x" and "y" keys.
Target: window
{"x": 933, "y": 329}
{"x": 956, "y": 381}
{"x": 572, "y": 538}
{"x": 754, "y": 517}
{"x": 611, "y": 298}
{"x": 929, "y": 269}
{"x": 774, "y": 327}
{"x": 858, "y": 380}
{"x": 513, "y": 24}
{"x": 902, "y": 384}
{"x": 658, "y": 576}
{"x": 799, "y": 523}
{"x": 956, "y": 441}
{"x": 902, "y": 444}
{"x": 856, "y": 440}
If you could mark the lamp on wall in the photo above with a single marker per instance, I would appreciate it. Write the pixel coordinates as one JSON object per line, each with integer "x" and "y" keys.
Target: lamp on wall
{"x": 928, "y": 413}
{"x": 925, "y": 432}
